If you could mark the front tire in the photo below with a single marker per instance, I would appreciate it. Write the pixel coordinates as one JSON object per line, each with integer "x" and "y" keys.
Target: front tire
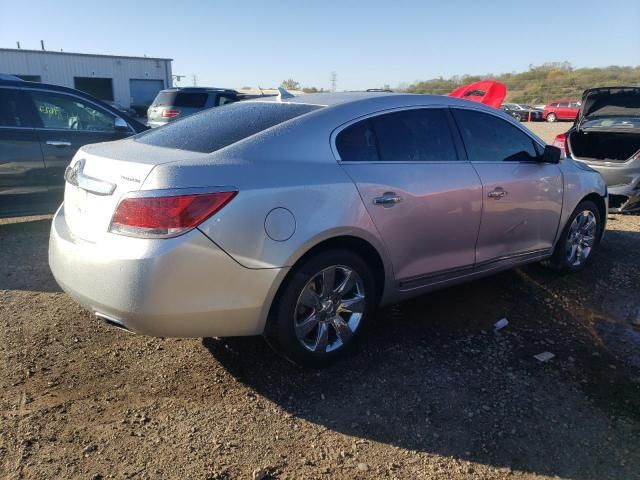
{"x": 322, "y": 308}
{"x": 580, "y": 239}
{"x": 552, "y": 118}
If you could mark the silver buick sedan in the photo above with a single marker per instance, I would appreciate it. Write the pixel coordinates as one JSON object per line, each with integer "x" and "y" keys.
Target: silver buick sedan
{"x": 295, "y": 217}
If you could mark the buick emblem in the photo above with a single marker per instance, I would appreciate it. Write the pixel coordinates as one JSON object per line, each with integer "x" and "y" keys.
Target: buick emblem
{"x": 73, "y": 171}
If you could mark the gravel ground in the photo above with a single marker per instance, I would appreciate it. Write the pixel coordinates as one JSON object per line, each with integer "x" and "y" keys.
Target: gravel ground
{"x": 548, "y": 131}
{"x": 432, "y": 392}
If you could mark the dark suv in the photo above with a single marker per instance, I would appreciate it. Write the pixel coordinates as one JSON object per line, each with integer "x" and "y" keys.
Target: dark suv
{"x": 174, "y": 103}
{"x": 41, "y": 128}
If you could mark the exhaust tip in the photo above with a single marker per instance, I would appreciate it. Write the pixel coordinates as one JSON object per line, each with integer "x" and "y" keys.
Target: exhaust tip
{"x": 113, "y": 322}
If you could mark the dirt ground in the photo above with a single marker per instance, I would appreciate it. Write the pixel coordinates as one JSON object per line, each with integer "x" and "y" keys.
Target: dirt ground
{"x": 432, "y": 392}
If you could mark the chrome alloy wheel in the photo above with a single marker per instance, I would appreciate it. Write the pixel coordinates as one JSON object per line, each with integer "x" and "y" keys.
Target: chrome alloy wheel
{"x": 329, "y": 309}
{"x": 581, "y": 238}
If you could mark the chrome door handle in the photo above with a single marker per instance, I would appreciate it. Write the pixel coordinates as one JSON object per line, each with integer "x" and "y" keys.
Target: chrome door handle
{"x": 58, "y": 143}
{"x": 498, "y": 193}
{"x": 389, "y": 199}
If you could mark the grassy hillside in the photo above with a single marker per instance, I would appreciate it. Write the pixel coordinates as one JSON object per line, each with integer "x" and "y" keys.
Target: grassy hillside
{"x": 540, "y": 84}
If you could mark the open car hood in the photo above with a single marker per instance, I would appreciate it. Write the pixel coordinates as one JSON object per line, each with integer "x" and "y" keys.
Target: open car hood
{"x": 609, "y": 101}
{"x": 485, "y": 91}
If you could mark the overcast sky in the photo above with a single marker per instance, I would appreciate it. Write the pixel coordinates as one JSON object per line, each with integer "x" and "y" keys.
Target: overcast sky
{"x": 368, "y": 43}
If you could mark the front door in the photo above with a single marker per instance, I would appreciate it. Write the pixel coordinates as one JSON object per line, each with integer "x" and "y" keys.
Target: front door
{"x": 522, "y": 197}
{"x": 66, "y": 123}
{"x": 424, "y": 201}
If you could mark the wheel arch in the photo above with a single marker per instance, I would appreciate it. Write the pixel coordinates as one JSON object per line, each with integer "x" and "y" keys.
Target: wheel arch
{"x": 602, "y": 208}
{"x": 355, "y": 244}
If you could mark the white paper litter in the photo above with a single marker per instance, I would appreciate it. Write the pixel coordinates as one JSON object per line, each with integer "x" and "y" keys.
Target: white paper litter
{"x": 544, "y": 356}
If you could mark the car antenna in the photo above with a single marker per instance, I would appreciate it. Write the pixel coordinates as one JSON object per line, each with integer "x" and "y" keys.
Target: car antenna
{"x": 284, "y": 94}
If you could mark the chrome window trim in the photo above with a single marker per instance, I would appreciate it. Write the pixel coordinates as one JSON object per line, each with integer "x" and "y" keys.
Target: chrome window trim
{"x": 336, "y": 131}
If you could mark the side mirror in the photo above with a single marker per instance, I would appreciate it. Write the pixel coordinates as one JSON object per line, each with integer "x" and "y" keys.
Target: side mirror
{"x": 551, "y": 154}
{"x": 120, "y": 125}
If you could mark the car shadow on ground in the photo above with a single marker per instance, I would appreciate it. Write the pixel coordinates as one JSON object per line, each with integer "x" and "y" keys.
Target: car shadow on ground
{"x": 432, "y": 376}
{"x": 24, "y": 261}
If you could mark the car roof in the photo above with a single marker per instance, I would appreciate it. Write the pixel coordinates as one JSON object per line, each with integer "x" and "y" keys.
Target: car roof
{"x": 388, "y": 99}
{"x": 199, "y": 89}
{"x": 41, "y": 86}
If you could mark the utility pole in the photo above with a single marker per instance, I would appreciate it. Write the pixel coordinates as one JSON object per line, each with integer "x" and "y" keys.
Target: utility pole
{"x": 195, "y": 80}
{"x": 333, "y": 81}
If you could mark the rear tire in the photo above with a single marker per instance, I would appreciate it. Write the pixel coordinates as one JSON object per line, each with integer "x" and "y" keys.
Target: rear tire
{"x": 580, "y": 239}
{"x": 322, "y": 308}
{"x": 551, "y": 117}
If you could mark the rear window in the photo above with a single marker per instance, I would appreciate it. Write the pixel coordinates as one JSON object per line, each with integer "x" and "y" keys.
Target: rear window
{"x": 182, "y": 99}
{"x": 216, "y": 128}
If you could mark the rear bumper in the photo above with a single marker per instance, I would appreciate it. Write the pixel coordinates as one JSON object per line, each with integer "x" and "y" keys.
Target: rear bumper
{"x": 179, "y": 287}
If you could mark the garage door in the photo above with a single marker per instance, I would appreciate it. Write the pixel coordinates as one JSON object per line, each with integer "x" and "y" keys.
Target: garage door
{"x": 143, "y": 92}
{"x": 101, "y": 88}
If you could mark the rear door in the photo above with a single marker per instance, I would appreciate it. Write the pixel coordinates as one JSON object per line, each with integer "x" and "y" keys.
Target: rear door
{"x": 563, "y": 111}
{"x": 522, "y": 197}
{"x": 424, "y": 201}
{"x": 65, "y": 123}
{"x": 22, "y": 169}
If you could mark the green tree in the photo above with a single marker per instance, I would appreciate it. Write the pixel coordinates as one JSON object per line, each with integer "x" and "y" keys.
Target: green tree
{"x": 290, "y": 84}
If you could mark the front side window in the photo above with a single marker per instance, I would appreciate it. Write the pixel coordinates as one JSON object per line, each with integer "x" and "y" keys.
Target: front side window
{"x": 488, "y": 138}
{"x": 418, "y": 135}
{"x": 65, "y": 112}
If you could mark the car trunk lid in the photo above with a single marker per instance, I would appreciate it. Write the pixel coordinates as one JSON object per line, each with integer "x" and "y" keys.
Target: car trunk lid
{"x": 100, "y": 175}
{"x": 609, "y": 102}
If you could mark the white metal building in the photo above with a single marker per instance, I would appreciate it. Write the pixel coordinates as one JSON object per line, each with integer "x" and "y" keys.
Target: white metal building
{"x": 130, "y": 81}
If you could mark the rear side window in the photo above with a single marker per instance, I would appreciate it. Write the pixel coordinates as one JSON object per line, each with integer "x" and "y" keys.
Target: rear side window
{"x": 488, "y": 138}
{"x": 224, "y": 99}
{"x": 14, "y": 111}
{"x": 216, "y": 128}
{"x": 182, "y": 99}
{"x": 414, "y": 136}
{"x": 357, "y": 143}
{"x": 420, "y": 135}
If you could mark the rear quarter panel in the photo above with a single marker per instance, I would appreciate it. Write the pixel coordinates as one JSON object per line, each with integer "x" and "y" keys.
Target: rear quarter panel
{"x": 287, "y": 168}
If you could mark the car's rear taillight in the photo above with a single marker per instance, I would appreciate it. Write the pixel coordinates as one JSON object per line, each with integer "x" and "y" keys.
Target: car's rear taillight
{"x": 166, "y": 216}
{"x": 170, "y": 113}
{"x": 561, "y": 142}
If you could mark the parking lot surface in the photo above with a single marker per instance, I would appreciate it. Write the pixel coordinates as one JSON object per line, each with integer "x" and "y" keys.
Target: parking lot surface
{"x": 432, "y": 392}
